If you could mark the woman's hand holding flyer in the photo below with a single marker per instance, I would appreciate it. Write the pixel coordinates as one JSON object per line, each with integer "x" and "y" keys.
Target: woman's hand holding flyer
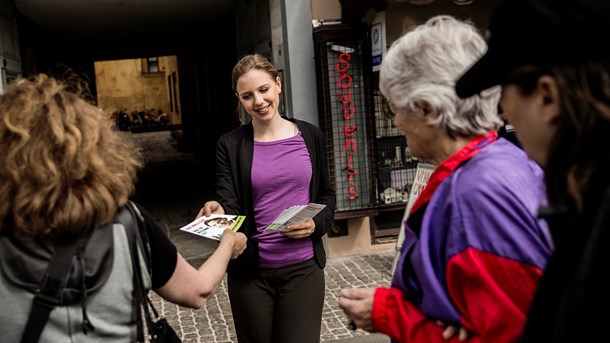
{"x": 213, "y": 225}
{"x": 294, "y": 214}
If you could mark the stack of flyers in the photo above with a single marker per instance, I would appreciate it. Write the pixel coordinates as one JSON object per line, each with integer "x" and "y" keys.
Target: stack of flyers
{"x": 213, "y": 226}
{"x": 294, "y": 214}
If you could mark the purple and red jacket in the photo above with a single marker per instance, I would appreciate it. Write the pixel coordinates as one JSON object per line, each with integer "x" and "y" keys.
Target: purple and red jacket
{"x": 474, "y": 249}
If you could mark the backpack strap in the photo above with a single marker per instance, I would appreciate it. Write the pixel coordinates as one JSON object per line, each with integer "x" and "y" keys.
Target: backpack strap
{"x": 49, "y": 294}
{"x": 131, "y": 217}
{"x": 157, "y": 327}
{"x": 126, "y": 217}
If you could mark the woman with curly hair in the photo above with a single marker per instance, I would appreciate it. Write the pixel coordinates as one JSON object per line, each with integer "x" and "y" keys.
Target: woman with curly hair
{"x": 65, "y": 173}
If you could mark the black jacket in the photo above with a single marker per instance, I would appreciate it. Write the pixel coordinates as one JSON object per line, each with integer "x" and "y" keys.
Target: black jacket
{"x": 572, "y": 302}
{"x": 234, "y": 189}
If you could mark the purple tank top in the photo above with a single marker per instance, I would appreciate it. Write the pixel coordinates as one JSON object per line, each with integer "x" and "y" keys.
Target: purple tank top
{"x": 281, "y": 174}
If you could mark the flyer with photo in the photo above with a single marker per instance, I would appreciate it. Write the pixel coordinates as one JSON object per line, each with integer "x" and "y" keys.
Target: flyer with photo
{"x": 213, "y": 225}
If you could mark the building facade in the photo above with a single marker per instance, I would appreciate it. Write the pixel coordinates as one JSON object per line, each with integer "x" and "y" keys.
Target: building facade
{"x": 328, "y": 53}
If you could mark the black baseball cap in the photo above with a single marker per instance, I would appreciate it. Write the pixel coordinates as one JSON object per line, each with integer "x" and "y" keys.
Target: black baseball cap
{"x": 538, "y": 32}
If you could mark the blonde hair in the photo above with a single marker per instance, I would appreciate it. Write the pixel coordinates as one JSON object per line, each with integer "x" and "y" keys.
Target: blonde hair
{"x": 62, "y": 168}
{"x": 250, "y": 62}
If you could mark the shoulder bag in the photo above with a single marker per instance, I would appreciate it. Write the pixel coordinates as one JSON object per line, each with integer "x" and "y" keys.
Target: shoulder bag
{"x": 159, "y": 330}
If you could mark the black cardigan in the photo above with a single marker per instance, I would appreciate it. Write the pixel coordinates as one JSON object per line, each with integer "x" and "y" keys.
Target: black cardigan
{"x": 234, "y": 189}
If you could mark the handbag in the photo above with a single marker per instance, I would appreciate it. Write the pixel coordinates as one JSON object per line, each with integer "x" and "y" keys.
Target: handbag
{"x": 159, "y": 329}
{"x": 163, "y": 332}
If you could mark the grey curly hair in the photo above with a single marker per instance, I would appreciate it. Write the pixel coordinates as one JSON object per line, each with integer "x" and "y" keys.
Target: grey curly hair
{"x": 423, "y": 65}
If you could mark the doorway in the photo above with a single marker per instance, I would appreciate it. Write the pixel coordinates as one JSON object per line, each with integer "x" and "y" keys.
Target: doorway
{"x": 141, "y": 94}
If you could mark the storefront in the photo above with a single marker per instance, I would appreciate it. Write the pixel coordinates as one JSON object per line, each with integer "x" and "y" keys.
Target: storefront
{"x": 369, "y": 159}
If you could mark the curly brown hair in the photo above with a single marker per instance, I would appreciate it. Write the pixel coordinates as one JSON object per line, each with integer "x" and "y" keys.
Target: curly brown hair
{"x": 62, "y": 167}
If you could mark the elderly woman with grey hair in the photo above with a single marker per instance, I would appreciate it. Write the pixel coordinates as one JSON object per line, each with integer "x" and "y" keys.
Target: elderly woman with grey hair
{"x": 474, "y": 248}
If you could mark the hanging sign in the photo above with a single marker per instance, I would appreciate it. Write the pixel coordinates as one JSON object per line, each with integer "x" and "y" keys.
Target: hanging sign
{"x": 344, "y": 84}
{"x": 376, "y": 45}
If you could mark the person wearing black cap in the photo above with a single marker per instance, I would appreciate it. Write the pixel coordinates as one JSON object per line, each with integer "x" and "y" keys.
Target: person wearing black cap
{"x": 473, "y": 248}
{"x": 552, "y": 59}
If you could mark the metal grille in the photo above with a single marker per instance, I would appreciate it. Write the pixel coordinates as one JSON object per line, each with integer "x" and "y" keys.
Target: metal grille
{"x": 342, "y": 98}
{"x": 394, "y": 170}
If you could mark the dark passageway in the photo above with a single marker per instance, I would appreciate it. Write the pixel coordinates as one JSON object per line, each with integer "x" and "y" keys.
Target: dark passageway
{"x": 173, "y": 186}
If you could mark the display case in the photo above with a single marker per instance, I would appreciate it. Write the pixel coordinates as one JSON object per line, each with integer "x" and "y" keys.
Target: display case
{"x": 395, "y": 168}
{"x": 369, "y": 161}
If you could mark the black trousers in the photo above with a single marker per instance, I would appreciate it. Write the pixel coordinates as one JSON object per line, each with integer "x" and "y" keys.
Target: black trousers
{"x": 282, "y": 305}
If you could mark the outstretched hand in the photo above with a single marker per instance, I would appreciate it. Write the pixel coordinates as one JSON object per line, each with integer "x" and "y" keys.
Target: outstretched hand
{"x": 238, "y": 241}
{"x": 209, "y": 208}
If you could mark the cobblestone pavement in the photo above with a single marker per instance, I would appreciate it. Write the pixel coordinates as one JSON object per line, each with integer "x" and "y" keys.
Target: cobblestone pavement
{"x": 214, "y": 323}
{"x": 171, "y": 189}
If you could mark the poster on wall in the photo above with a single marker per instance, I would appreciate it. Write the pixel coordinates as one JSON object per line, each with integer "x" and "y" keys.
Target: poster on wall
{"x": 378, "y": 40}
{"x": 376, "y": 45}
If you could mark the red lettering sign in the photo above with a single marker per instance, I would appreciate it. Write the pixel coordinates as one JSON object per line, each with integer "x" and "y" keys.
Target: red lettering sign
{"x": 344, "y": 100}
{"x": 348, "y": 130}
{"x": 344, "y": 82}
{"x": 343, "y": 64}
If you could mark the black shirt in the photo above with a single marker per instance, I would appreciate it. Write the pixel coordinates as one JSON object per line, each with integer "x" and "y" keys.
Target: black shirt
{"x": 163, "y": 251}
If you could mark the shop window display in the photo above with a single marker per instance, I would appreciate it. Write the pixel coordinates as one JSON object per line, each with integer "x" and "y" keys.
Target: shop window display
{"x": 395, "y": 167}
